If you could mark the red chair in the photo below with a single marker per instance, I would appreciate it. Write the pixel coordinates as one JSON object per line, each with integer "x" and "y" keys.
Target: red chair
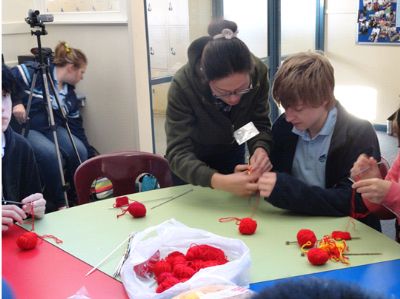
{"x": 121, "y": 168}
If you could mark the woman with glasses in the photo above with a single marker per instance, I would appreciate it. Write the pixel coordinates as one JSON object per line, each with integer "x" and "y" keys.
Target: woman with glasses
{"x": 222, "y": 88}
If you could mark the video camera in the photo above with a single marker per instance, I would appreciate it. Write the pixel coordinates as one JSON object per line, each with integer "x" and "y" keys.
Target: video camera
{"x": 35, "y": 19}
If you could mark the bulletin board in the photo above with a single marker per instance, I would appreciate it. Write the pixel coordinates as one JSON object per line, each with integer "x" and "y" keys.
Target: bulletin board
{"x": 84, "y": 11}
{"x": 378, "y": 22}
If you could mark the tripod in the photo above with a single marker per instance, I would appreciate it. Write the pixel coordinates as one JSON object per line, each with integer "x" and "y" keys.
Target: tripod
{"x": 43, "y": 70}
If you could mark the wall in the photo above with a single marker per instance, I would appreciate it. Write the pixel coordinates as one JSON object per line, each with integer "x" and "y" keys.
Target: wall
{"x": 116, "y": 81}
{"x": 367, "y": 75}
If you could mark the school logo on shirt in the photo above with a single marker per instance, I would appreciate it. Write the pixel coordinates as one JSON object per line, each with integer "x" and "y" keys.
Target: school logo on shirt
{"x": 322, "y": 158}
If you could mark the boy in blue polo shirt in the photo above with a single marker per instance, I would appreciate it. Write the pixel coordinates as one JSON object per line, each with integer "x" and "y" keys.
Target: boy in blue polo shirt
{"x": 316, "y": 143}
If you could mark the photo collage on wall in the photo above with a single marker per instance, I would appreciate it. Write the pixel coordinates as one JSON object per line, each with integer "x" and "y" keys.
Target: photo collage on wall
{"x": 378, "y": 22}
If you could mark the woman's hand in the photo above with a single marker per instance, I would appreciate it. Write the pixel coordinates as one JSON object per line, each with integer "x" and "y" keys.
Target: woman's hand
{"x": 365, "y": 168}
{"x": 373, "y": 190}
{"x": 266, "y": 183}
{"x": 19, "y": 113}
{"x": 37, "y": 201}
{"x": 11, "y": 214}
{"x": 260, "y": 162}
{"x": 239, "y": 183}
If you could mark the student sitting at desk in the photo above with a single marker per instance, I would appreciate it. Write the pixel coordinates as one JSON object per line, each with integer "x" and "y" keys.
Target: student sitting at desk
{"x": 316, "y": 143}
{"x": 373, "y": 188}
{"x": 20, "y": 176}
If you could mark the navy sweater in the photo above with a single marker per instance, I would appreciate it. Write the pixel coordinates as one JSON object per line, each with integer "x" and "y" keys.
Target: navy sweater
{"x": 351, "y": 137}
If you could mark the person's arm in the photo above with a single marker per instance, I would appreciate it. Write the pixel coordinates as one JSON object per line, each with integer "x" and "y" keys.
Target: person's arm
{"x": 260, "y": 114}
{"x": 180, "y": 148}
{"x": 75, "y": 121}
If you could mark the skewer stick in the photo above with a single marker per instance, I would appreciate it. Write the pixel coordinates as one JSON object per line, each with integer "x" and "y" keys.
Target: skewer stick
{"x": 145, "y": 201}
{"x": 355, "y": 253}
{"x": 172, "y": 198}
{"x": 107, "y": 256}
{"x": 295, "y": 242}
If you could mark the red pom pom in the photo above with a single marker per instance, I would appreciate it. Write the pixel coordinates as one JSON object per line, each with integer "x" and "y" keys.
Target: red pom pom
{"x": 339, "y": 235}
{"x": 160, "y": 267}
{"x": 205, "y": 253}
{"x": 167, "y": 283}
{"x": 27, "y": 241}
{"x": 247, "y": 226}
{"x": 306, "y": 235}
{"x": 137, "y": 209}
{"x": 121, "y": 201}
{"x": 317, "y": 256}
{"x": 182, "y": 271}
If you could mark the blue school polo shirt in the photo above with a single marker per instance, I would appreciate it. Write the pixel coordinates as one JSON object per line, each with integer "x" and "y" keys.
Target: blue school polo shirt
{"x": 309, "y": 161}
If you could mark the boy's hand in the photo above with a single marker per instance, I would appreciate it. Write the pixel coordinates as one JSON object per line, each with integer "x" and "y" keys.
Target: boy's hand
{"x": 19, "y": 113}
{"x": 259, "y": 161}
{"x": 37, "y": 201}
{"x": 266, "y": 183}
{"x": 11, "y": 214}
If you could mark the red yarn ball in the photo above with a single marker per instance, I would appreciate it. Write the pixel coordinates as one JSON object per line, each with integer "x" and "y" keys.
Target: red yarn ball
{"x": 27, "y": 240}
{"x": 121, "y": 201}
{"x": 137, "y": 209}
{"x": 182, "y": 271}
{"x": 247, "y": 226}
{"x": 317, "y": 256}
{"x": 176, "y": 258}
{"x": 167, "y": 283}
{"x": 339, "y": 235}
{"x": 306, "y": 235}
{"x": 160, "y": 267}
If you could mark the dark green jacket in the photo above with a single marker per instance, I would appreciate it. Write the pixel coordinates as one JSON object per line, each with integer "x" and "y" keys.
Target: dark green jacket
{"x": 194, "y": 126}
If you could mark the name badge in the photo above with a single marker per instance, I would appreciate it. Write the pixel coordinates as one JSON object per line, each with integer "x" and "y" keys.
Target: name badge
{"x": 245, "y": 133}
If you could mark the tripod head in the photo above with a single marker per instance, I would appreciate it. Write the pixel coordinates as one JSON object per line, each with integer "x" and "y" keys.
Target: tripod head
{"x": 34, "y": 19}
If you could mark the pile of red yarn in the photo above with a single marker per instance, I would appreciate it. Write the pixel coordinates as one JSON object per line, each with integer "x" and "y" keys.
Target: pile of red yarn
{"x": 329, "y": 247}
{"x": 178, "y": 267}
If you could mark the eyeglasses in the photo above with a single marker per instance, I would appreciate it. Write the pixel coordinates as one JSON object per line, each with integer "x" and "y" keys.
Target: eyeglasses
{"x": 234, "y": 93}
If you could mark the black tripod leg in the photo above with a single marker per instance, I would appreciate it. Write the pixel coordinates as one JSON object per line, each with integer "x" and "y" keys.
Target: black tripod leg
{"x": 46, "y": 95}
{"x": 65, "y": 121}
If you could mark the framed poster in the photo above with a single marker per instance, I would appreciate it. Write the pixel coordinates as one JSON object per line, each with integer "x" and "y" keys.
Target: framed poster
{"x": 84, "y": 11}
{"x": 378, "y": 22}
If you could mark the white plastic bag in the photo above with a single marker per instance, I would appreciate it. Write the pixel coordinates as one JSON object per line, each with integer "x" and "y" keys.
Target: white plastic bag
{"x": 172, "y": 235}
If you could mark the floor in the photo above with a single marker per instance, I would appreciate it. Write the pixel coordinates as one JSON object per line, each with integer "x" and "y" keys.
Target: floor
{"x": 389, "y": 150}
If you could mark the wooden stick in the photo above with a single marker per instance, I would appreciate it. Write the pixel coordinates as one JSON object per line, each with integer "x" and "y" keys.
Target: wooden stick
{"x": 295, "y": 242}
{"x": 144, "y": 201}
{"x": 363, "y": 253}
{"x": 107, "y": 256}
{"x": 172, "y": 198}
{"x": 355, "y": 253}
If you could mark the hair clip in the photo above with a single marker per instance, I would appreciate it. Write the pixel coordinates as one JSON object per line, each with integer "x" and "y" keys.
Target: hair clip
{"x": 67, "y": 48}
{"x": 226, "y": 33}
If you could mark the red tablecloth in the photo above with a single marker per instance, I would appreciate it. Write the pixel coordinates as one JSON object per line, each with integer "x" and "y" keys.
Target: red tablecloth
{"x": 49, "y": 272}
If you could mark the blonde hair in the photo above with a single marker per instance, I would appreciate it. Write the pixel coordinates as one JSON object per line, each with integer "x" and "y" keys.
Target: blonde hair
{"x": 306, "y": 77}
{"x": 64, "y": 54}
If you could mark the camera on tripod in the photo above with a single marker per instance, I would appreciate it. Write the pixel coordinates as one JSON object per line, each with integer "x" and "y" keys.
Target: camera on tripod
{"x": 35, "y": 19}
